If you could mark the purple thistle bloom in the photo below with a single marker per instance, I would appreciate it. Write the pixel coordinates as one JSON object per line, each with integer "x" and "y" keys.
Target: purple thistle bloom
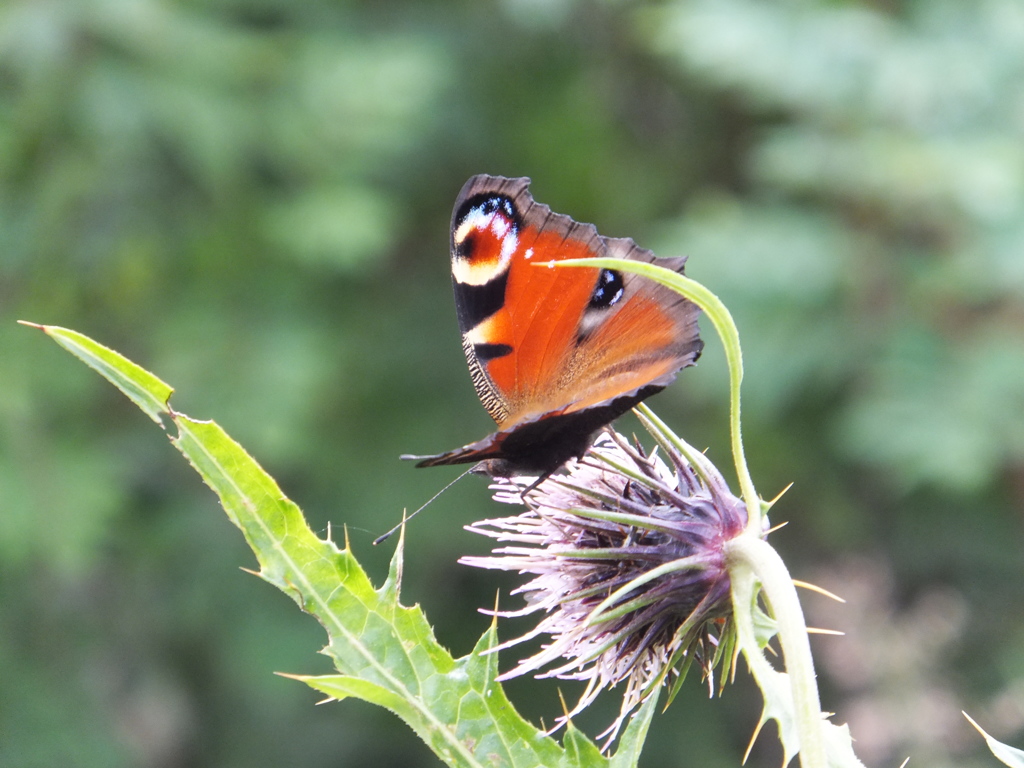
{"x": 628, "y": 563}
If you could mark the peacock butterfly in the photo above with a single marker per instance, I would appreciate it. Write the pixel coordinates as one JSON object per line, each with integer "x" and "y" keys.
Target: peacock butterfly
{"x": 554, "y": 354}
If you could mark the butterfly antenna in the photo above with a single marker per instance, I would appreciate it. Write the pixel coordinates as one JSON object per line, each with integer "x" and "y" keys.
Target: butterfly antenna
{"x": 429, "y": 501}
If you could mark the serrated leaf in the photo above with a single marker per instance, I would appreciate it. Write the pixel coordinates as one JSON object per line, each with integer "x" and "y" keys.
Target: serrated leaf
{"x": 628, "y": 755}
{"x": 778, "y": 706}
{"x": 145, "y": 390}
{"x": 765, "y": 627}
{"x": 839, "y": 746}
{"x": 1006, "y": 754}
{"x": 581, "y": 751}
{"x": 386, "y": 653}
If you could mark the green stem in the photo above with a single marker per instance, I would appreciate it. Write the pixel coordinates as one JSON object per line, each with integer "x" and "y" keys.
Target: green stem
{"x": 721, "y": 318}
{"x": 751, "y": 559}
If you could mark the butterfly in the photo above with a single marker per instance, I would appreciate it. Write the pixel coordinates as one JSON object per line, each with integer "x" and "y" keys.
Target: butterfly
{"x": 554, "y": 354}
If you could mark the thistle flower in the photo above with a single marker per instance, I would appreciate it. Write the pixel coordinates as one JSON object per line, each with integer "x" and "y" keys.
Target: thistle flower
{"x": 628, "y": 563}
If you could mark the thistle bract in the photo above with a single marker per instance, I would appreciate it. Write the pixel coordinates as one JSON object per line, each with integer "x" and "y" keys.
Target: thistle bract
{"x": 626, "y": 550}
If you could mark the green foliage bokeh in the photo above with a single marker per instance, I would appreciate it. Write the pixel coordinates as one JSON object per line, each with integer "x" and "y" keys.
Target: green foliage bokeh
{"x": 251, "y": 198}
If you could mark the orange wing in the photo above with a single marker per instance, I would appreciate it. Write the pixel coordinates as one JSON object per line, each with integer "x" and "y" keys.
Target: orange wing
{"x": 555, "y": 354}
{"x": 544, "y": 341}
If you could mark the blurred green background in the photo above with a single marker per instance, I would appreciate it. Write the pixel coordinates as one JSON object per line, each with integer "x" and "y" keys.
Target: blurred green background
{"x": 251, "y": 198}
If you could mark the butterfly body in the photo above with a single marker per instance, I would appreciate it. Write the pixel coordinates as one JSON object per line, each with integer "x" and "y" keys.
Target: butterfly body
{"x": 554, "y": 354}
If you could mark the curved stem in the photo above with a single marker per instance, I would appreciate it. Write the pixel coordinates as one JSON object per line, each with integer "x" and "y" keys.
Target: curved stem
{"x": 751, "y": 558}
{"x": 721, "y": 318}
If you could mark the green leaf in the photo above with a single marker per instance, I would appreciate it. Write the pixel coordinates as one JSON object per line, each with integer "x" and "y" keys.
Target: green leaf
{"x": 1006, "y": 754}
{"x": 145, "y": 390}
{"x": 633, "y": 737}
{"x": 385, "y": 652}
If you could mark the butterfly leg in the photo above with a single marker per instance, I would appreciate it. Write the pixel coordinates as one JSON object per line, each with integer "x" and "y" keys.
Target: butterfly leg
{"x": 535, "y": 483}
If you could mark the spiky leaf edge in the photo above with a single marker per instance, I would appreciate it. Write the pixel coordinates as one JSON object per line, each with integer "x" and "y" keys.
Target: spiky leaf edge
{"x": 393, "y": 660}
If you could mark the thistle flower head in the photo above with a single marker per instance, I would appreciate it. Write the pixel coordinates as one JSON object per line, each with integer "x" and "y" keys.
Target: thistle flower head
{"x": 626, "y": 550}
